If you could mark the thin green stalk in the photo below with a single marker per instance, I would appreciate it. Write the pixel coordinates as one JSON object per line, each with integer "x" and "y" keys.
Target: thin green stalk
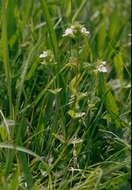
{"x": 50, "y": 28}
{"x": 5, "y": 52}
{"x": 24, "y": 72}
{"x": 83, "y": 4}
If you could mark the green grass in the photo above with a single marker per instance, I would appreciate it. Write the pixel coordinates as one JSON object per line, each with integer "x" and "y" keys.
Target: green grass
{"x": 63, "y": 124}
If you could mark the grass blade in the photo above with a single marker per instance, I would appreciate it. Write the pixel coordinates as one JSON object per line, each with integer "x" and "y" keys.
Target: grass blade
{"x": 79, "y": 10}
{"x": 5, "y": 52}
{"x": 50, "y": 28}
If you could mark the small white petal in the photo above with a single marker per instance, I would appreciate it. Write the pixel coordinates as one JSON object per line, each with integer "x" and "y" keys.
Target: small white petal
{"x": 68, "y": 32}
{"x": 80, "y": 114}
{"x": 41, "y": 56}
{"x": 84, "y": 31}
{"x": 102, "y": 69}
{"x": 44, "y": 54}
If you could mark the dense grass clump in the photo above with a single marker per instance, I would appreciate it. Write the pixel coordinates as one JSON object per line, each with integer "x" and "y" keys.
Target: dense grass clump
{"x": 65, "y": 97}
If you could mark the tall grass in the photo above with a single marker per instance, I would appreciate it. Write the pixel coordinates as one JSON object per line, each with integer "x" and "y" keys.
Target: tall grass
{"x": 64, "y": 124}
{"x": 5, "y": 53}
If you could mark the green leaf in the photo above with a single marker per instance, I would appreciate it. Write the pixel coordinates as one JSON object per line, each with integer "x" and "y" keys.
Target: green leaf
{"x": 119, "y": 65}
{"x": 67, "y": 8}
{"x": 108, "y": 99}
{"x": 102, "y": 37}
{"x": 3, "y": 133}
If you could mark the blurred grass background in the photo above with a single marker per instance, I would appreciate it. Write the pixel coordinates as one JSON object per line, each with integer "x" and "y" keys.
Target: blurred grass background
{"x": 46, "y": 140}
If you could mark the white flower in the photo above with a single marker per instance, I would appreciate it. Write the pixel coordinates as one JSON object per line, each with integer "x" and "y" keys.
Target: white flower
{"x": 44, "y": 54}
{"x": 73, "y": 29}
{"x": 102, "y": 68}
{"x": 68, "y": 32}
{"x": 84, "y": 31}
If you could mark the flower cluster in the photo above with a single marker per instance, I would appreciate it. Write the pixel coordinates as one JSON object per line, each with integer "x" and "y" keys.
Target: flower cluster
{"x": 102, "y": 67}
{"x": 46, "y": 56}
{"x": 71, "y": 31}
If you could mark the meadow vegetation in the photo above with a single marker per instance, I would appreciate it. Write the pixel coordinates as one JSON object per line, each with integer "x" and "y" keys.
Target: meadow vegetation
{"x": 65, "y": 100}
